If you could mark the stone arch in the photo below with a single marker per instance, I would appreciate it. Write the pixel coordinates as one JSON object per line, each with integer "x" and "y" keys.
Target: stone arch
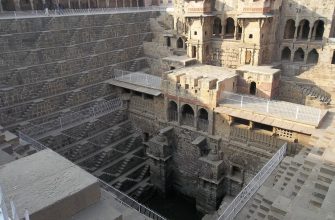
{"x": 203, "y": 114}
{"x": 299, "y": 55}
{"x": 313, "y": 57}
{"x": 318, "y": 30}
{"x": 252, "y": 88}
{"x": 180, "y": 43}
{"x": 203, "y": 119}
{"x": 230, "y": 27}
{"x": 172, "y": 111}
{"x": 217, "y": 27}
{"x": 289, "y": 29}
{"x": 303, "y": 29}
{"x": 286, "y": 54}
{"x": 187, "y": 115}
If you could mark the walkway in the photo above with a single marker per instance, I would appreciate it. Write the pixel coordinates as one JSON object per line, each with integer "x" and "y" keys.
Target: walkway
{"x": 76, "y": 12}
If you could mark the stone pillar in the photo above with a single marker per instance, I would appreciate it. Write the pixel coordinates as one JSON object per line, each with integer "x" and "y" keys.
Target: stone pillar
{"x": 79, "y": 4}
{"x": 123, "y": 3}
{"x": 31, "y": 2}
{"x": 295, "y": 32}
{"x": 310, "y": 33}
{"x": 211, "y": 182}
{"x": 17, "y": 5}
{"x": 137, "y": 3}
{"x": 69, "y": 3}
{"x": 179, "y": 113}
{"x": 159, "y": 153}
{"x": 211, "y": 122}
{"x": 1, "y": 8}
{"x": 306, "y": 56}
{"x": 195, "y": 123}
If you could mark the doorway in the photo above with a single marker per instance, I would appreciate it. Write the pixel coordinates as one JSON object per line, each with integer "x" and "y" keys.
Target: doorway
{"x": 194, "y": 51}
{"x": 247, "y": 57}
{"x": 253, "y": 88}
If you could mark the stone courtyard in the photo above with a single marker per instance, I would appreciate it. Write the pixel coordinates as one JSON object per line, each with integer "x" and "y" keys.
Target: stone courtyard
{"x": 228, "y": 104}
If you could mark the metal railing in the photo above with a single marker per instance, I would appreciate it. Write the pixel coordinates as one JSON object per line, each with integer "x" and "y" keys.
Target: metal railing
{"x": 70, "y": 12}
{"x": 286, "y": 110}
{"x": 100, "y": 108}
{"x": 130, "y": 202}
{"x": 118, "y": 195}
{"x": 138, "y": 78}
{"x": 243, "y": 197}
{"x": 4, "y": 212}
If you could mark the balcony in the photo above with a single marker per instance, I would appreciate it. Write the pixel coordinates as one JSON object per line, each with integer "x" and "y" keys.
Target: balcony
{"x": 261, "y": 10}
{"x": 197, "y": 8}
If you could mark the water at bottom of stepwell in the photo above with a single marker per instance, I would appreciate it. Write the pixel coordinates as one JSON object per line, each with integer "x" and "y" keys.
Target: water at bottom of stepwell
{"x": 174, "y": 207}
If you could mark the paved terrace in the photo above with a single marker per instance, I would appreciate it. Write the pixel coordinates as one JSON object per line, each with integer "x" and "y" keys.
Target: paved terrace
{"x": 138, "y": 81}
{"x": 300, "y": 114}
{"x": 78, "y": 12}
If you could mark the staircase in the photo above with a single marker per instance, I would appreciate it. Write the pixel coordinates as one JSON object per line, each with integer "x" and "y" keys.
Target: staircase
{"x": 100, "y": 160}
{"x": 123, "y": 165}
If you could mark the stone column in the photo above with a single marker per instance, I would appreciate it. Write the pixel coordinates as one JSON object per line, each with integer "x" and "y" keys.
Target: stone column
{"x": 137, "y": 3}
{"x": 310, "y": 33}
{"x": 1, "y": 8}
{"x": 69, "y": 3}
{"x": 123, "y": 3}
{"x": 296, "y": 32}
{"x": 79, "y": 4}
{"x": 17, "y": 5}
{"x": 159, "y": 153}
{"x": 211, "y": 122}
{"x": 306, "y": 56}
{"x": 195, "y": 123}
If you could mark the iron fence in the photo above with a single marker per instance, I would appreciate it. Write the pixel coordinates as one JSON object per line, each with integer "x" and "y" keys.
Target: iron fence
{"x": 121, "y": 197}
{"x": 137, "y": 78}
{"x": 70, "y": 12}
{"x": 243, "y": 197}
{"x": 100, "y": 108}
{"x": 4, "y": 212}
{"x": 130, "y": 202}
{"x": 281, "y": 109}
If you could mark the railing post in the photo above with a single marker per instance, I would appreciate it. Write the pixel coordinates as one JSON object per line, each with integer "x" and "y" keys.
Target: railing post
{"x": 242, "y": 101}
{"x": 297, "y": 113}
{"x": 267, "y": 106}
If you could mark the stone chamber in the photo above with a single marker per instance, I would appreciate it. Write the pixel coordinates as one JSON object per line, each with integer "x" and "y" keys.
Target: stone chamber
{"x": 192, "y": 101}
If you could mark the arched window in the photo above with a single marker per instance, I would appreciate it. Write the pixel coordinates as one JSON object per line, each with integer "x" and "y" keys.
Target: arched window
{"x": 180, "y": 43}
{"x": 289, "y": 29}
{"x": 299, "y": 55}
{"x": 173, "y": 111}
{"x": 217, "y": 27}
{"x": 313, "y": 57}
{"x": 187, "y": 115}
{"x": 286, "y": 54}
{"x": 230, "y": 27}
{"x": 303, "y": 29}
{"x": 318, "y": 30}
{"x": 168, "y": 41}
{"x": 253, "y": 88}
{"x": 203, "y": 120}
